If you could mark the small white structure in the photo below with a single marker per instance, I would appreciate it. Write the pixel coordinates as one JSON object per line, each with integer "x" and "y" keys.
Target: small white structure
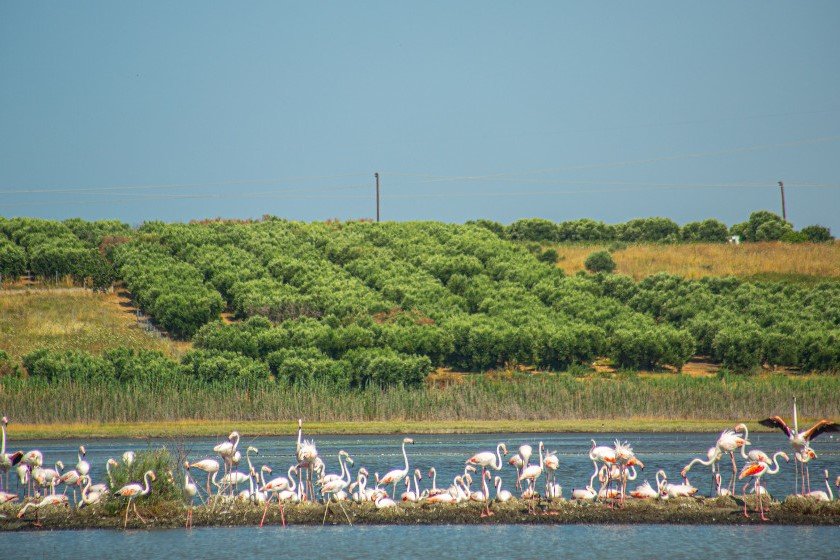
{"x": 735, "y": 240}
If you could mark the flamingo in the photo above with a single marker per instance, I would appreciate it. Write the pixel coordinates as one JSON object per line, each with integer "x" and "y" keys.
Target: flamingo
{"x": 799, "y": 440}
{"x": 71, "y": 478}
{"x": 128, "y": 458}
{"x": 531, "y": 473}
{"x": 644, "y": 491}
{"x": 587, "y": 493}
{"x": 501, "y": 495}
{"x": 134, "y": 490}
{"x": 190, "y": 490}
{"x": 408, "y": 495}
{"x": 306, "y": 454}
{"x": 720, "y": 492}
{"x": 91, "y": 496}
{"x": 385, "y": 502}
{"x": 48, "y": 477}
{"x": 728, "y": 442}
{"x": 435, "y": 490}
{"x": 487, "y": 459}
{"x": 82, "y": 467}
{"x": 757, "y": 470}
{"x": 713, "y": 457}
{"x": 821, "y": 496}
{"x": 276, "y": 487}
{"x": 669, "y": 490}
{"x": 8, "y": 460}
{"x": 517, "y": 463}
{"x": 552, "y": 463}
{"x": 804, "y": 457}
{"x": 210, "y": 466}
{"x": 395, "y": 475}
{"x": 31, "y": 460}
{"x": 52, "y": 500}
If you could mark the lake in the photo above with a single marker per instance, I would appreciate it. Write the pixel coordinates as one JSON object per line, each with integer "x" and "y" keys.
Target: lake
{"x": 447, "y": 454}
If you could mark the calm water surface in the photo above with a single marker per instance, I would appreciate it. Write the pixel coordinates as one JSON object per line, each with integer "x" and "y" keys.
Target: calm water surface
{"x": 436, "y": 543}
{"x": 447, "y": 453}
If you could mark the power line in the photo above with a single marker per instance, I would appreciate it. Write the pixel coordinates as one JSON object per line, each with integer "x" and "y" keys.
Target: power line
{"x": 431, "y": 178}
{"x": 74, "y": 190}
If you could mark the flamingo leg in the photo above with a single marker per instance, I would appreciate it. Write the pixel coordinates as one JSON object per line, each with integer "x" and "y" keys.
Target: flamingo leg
{"x": 137, "y": 513}
{"x": 125, "y": 521}
{"x": 761, "y": 501}
{"x": 734, "y": 471}
{"x": 744, "y": 490}
{"x": 265, "y": 511}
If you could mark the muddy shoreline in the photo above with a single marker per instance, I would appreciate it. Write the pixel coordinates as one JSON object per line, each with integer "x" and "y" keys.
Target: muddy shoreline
{"x": 718, "y": 511}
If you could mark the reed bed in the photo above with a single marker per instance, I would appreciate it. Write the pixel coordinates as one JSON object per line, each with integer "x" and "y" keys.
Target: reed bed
{"x": 767, "y": 260}
{"x": 544, "y": 397}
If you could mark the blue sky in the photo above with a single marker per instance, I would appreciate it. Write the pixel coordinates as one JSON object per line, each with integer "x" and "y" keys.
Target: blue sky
{"x": 608, "y": 110}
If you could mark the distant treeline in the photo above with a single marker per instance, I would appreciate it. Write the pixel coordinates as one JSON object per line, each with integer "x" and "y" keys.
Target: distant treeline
{"x": 761, "y": 226}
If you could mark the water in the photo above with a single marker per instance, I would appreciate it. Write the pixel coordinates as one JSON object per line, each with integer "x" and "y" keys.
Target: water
{"x": 439, "y": 542}
{"x": 447, "y": 454}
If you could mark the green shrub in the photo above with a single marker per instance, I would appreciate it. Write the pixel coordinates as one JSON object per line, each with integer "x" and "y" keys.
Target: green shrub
{"x": 817, "y": 234}
{"x": 384, "y": 367}
{"x": 740, "y": 349}
{"x": 548, "y": 256}
{"x": 599, "y": 261}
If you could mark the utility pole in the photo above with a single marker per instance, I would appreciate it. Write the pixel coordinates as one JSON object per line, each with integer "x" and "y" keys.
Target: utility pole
{"x": 377, "y": 196}
{"x": 781, "y": 188}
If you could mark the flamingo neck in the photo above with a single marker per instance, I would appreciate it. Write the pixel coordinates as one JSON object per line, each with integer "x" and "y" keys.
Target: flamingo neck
{"x": 405, "y": 456}
{"x": 498, "y": 457}
{"x": 828, "y": 487}
{"x": 292, "y": 483}
{"x": 795, "y": 419}
{"x": 746, "y": 439}
{"x": 541, "y": 454}
{"x": 417, "y": 486}
{"x": 147, "y": 488}
{"x": 3, "y": 449}
{"x": 594, "y": 474}
{"x": 775, "y": 468}
{"x": 434, "y": 479}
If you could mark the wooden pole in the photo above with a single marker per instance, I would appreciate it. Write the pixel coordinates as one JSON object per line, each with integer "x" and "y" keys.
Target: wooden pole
{"x": 782, "y": 189}
{"x": 377, "y": 196}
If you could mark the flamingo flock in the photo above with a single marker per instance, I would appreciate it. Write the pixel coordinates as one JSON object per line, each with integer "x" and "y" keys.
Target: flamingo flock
{"x": 307, "y": 480}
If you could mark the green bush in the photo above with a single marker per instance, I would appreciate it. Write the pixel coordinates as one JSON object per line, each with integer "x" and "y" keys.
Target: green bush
{"x": 817, "y": 234}
{"x": 12, "y": 260}
{"x": 384, "y": 367}
{"x": 599, "y": 261}
{"x": 548, "y": 256}
{"x": 707, "y": 231}
{"x": 739, "y": 349}
{"x": 75, "y": 365}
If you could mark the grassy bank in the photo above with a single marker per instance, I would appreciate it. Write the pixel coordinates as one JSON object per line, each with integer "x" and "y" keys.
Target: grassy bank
{"x": 793, "y": 262}
{"x": 718, "y": 511}
{"x": 546, "y": 402}
{"x": 73, "y": 319}
{"x": 285, "y": 427}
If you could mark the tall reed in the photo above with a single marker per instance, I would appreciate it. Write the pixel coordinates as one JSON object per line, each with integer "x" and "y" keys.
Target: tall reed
{"x": 545, "y": 397}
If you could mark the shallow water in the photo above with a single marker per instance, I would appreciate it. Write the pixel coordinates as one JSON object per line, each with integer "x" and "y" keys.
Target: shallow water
{"x": 447, "y": 453}
{"x": 437, "y": 542}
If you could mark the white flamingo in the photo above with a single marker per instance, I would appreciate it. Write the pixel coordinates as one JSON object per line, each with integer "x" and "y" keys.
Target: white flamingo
{"x": 799, "y": 441}
{"x": 394, "y": 476}
{"x": 190, "y": 490}
{"x": 7, "y": 460}
{"x": 133, "y": 491}
{"x": 210, "y": 466}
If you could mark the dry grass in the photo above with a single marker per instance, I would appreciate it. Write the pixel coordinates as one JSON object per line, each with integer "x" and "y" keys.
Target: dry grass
{"x": 72, "y": 319}
{"x": 792, "y": 261}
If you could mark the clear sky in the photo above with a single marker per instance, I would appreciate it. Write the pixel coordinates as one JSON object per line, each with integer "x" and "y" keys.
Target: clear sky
{"x": 502, "y": 110}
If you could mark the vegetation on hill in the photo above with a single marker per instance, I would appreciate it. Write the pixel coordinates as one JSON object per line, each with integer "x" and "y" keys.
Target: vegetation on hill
{"x": 359, "y": 305}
